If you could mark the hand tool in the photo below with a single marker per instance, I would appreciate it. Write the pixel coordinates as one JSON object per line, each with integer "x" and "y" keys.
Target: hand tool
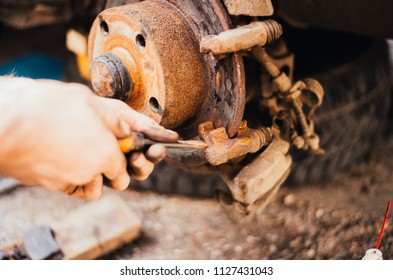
{"x": 137, "y": 142}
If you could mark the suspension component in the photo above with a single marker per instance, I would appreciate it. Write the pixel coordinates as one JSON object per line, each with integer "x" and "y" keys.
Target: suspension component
{"x": 253, "y": 186}
{"x": 308, "y": 92}
{"x": 179, "y": 62}
{"x": 257, "y": 33}
{"x": 220, "y": 149}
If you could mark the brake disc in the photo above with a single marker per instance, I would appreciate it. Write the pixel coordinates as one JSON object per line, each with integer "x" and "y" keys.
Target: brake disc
{"x": 147, "y": 54}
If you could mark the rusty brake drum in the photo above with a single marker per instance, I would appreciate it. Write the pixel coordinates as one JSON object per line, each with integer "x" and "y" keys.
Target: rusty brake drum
{"x": 147, "y": 54}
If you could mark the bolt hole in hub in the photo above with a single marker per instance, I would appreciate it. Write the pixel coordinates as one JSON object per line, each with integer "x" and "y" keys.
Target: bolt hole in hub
{"x": 154, "y": 105}
{"x": 140, "y": 42}
{"x": 104, "y": 27}
{"x": 279, "y": 122}
{"x": 285, "y": 69}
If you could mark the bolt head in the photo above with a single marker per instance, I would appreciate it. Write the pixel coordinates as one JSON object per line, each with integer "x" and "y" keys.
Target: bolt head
{"x": 110, "y": 77}
{"x": 299, "y": 142}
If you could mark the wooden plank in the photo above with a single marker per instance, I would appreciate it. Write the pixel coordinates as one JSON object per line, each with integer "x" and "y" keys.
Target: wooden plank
{"x": 96, "y": 228}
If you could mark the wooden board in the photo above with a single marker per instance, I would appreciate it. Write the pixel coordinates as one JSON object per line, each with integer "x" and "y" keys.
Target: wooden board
{"x": 96, "y": 228}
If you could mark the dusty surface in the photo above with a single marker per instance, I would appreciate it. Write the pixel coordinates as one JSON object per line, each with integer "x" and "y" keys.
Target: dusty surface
{"x": 339, "y": 218}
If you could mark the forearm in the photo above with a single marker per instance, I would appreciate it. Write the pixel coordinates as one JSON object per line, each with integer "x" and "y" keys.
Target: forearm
{"x": 11, "y": 121}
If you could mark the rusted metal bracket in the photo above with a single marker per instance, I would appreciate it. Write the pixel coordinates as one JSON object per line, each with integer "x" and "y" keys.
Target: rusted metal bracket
{"x": 283, "y": 59}
{"x": 253, "y": 186}
{"x": 257, "y": 33}
{"x": 295, "y": 97}
{"x": 221, "y": 149}
{"x": 260, "y": 8}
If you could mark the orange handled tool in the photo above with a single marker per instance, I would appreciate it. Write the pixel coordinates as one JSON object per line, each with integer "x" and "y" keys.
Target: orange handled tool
{"x": 137, "y": 142}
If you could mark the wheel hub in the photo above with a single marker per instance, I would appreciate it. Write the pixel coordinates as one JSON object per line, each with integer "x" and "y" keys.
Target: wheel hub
{"x": 147, "y": 54}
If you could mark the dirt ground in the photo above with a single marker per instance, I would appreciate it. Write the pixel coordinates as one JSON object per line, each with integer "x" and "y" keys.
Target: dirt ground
{"x": 339, "y": 218}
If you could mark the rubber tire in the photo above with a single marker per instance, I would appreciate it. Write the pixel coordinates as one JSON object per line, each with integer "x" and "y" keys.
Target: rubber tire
{"x": 354, "y": 112}
{"x": 169, "y": 179}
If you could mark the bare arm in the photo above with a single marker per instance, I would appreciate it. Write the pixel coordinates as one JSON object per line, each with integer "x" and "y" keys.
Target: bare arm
{"x": 64, "y": 138}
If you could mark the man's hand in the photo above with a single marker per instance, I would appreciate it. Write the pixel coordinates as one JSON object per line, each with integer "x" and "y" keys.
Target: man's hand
{"x": 63, "y": 137}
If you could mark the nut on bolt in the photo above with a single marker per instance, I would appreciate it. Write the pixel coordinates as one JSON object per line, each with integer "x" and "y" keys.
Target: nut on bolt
{"x": 110, "y": 77}
{"x": 221, "y": 148}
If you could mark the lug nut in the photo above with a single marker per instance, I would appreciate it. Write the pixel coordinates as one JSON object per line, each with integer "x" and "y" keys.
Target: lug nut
{"x": 110, "y": 77}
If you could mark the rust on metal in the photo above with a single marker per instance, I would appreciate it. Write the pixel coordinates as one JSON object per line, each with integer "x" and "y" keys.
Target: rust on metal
{"x": 110, "y": 77}
{"x": 159, "y": 50}
{"x": 257, "y": 33}
{"x": 255, "y": 8}
{"x": 220, "y": 148}
{"x": 180, "y": 62}
{"x": 115, "y": 3}
{"x": 281, "y": 56}
{"x": 252, "y": 186}
{"x": 294, "y": 97}
{"x": 284, "y": 60}
{"x": 224, "y": 101}
{"x": 171, "y": 81}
